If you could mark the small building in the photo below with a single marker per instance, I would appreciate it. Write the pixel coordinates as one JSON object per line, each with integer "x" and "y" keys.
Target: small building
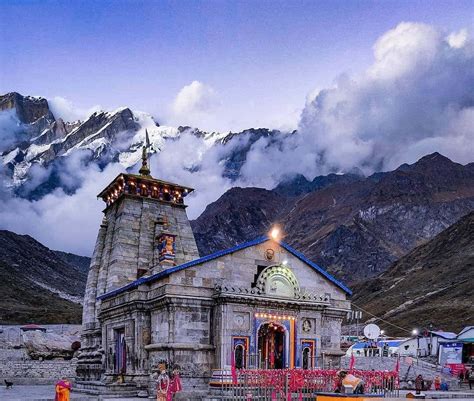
{"x": 362, "y": 348}
{"x": 466, "y": 337}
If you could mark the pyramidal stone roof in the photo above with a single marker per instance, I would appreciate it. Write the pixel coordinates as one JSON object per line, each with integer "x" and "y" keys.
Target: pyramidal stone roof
{"x": 216, "y": 255}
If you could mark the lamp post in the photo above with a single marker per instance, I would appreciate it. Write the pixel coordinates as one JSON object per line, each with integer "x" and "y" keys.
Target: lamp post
{"x": 415, "y": 333}
{"x": 431, "y": 339}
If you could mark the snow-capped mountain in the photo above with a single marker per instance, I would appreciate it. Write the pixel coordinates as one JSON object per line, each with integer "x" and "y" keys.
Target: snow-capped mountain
{"x": 32, "y": 136}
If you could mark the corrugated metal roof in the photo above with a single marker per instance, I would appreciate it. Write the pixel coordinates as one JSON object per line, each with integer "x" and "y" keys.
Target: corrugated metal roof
{"x": 445, "y": 334}
{"x": 219, "y": 254}
{"x": 467, "y": 328}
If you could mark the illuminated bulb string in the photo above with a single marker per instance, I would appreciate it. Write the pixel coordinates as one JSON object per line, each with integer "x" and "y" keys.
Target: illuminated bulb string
{"x": 275, "y": 317}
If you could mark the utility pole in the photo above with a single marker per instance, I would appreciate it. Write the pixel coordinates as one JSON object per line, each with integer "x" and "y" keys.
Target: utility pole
{"x": 431, "y": 339}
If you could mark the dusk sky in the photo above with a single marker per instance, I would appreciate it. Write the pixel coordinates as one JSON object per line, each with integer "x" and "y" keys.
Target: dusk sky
{"x": 254, "y": 62}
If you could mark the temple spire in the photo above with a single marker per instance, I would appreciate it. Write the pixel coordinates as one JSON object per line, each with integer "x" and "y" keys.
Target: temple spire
{"x": 144, "y": 169}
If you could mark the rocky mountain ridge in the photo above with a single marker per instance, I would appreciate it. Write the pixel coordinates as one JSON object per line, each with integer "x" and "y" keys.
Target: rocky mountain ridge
{"x": 37, "y": 138}
{"x": 353, "y": 226}
{"x": 39, "y": 285}
{"x": 431, "y": 284}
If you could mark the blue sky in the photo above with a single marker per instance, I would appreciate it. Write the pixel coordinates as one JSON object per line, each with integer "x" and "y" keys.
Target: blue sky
{"x": 258, "y": 59}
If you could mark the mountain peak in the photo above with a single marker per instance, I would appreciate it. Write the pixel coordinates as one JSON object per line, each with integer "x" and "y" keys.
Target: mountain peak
{"x": 434, "y": 162}
{"x": 28, "y": 108}
{"x": 435, "y": 157}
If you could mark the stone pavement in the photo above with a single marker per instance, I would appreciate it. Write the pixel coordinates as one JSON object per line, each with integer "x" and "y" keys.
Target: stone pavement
{"x": 440, "y": 395}
{"x": 46, "y": 393}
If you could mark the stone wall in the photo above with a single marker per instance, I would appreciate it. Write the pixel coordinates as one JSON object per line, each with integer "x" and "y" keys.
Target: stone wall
{"x": 17, "y": 366}
{"x": 36, "y": 372}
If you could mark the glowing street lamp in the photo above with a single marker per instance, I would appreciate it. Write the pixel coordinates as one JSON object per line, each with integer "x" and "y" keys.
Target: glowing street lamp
{"x": 414, "y": 332}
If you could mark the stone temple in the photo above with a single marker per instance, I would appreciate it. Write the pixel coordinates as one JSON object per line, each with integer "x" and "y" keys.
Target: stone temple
{"x": 150, "y": 297}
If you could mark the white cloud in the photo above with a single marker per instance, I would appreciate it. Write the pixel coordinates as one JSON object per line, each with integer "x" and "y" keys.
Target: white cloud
{"x": 196, "y": 105}
{"x": 58, "y": 220}
{"x": 66, "y": 110}
{"x": 193, "y": 162}
{"x": 9, "y": 129}
{"x": 408, "y": 48}
{"x": 458, "y": 39}
{"x": 195, "y": 98}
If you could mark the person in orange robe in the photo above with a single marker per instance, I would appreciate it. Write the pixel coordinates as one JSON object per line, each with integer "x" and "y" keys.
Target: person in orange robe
{"x": 63, "y": 388}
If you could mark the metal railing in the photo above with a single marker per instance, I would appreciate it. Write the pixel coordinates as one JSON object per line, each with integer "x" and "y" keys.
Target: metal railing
{"x": 298, "y": 384}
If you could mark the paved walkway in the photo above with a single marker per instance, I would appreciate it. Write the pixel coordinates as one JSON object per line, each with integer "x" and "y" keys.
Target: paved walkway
{"x": 46, "y": 393}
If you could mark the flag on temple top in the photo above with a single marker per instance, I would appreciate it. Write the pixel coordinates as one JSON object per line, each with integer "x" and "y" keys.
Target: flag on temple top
{"x": 147, "y": 139}
{"x": 352, "y": 362}
{"x": 397, "y": 365}
{"x": 233, "y": 370}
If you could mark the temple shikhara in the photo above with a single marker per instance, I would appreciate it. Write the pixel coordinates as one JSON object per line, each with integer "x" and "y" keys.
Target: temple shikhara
{"x": 151, "y": 299}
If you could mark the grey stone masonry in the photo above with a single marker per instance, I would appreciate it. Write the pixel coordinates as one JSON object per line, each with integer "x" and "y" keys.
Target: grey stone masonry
{"x": 36, "y": 372}
{"x": 139, "y": 209}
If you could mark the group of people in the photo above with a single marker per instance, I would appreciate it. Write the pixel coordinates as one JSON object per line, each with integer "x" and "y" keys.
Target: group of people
{"x": 166, "y": 387}
{"x": 371, "y": 349}
{"x": 466, "y": 376}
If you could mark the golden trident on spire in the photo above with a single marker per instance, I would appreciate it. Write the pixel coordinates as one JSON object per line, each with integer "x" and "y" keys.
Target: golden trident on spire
{"x": 144, "y": 169}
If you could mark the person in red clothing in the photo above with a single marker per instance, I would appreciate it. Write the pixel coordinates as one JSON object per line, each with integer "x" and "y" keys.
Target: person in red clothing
{"x": 63, "y": 388}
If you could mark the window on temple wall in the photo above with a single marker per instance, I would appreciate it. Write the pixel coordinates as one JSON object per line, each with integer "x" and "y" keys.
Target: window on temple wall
{"x": 239, "y": 356}
{"x": 240, "y": 347}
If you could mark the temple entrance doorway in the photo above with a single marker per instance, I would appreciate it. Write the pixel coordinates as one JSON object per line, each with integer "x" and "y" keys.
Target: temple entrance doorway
{"x": 272, "y": 347}
{"x": 120, "y": 361}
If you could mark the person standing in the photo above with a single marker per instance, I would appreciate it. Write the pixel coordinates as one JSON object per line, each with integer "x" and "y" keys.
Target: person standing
{"x": 419, "y": 384}
{"x": 469, "y": 377}
{"x": 63, "y": 389}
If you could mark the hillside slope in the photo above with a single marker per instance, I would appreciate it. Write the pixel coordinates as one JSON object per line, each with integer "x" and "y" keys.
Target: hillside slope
{"x": 431, "y": 284}
{"x": 37, "y": 285}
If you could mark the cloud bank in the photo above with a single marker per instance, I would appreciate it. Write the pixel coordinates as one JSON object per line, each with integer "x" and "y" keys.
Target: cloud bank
{"x": 60, "y": 221}
{"x": 67, "y": 111}
{"x": 416, "y": 98}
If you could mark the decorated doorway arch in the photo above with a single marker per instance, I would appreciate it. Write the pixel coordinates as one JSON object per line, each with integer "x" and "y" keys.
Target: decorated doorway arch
{"x": 272, "y": 345}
